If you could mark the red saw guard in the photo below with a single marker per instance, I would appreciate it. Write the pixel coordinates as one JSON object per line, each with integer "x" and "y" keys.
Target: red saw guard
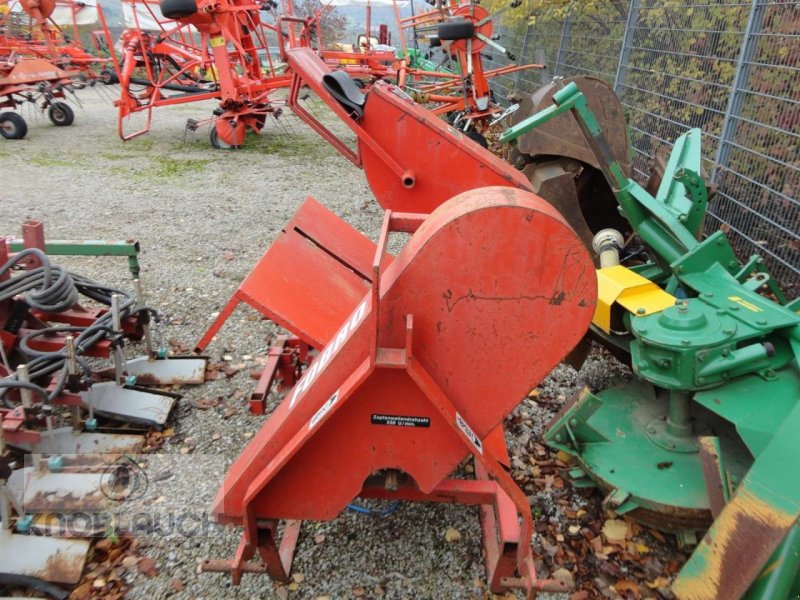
{"x": 494, "y": 273}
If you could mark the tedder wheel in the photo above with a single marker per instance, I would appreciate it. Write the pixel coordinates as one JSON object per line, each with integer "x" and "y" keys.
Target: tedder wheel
{"x": 460, "y": 29}
{"x": 220, "y": 144}
{"x": 12, "y": 126}
{"x": 61, "y": 114}
{"x": 108, "y": 77}
{"x": 178, "y": 9}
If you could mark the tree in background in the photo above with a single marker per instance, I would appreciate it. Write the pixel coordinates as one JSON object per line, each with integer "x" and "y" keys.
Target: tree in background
{"x": 332, "y": 25}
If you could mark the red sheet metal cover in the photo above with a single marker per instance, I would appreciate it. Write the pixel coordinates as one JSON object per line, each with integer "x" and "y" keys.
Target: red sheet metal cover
{"x": 500, "y": 290}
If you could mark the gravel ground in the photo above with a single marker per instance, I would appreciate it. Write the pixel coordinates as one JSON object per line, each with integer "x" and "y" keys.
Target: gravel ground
{"x": 204, "y": 217}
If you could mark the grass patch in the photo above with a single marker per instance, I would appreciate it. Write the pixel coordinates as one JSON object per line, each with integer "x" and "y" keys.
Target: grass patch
{"x": 114, "y": 156}
{"x": 166, "y": 167}
{"x": 287, "y": 146}
{"x": 45, "y": 160}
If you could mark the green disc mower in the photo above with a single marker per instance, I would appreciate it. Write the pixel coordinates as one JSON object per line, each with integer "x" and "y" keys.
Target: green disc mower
{"x": 702, "y": 439}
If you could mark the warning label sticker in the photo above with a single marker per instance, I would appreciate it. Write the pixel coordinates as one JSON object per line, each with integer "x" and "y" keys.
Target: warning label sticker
{"x": 400, "y": 421}
{"x": 323, "y": 410}
{"x": 463, "y": 426}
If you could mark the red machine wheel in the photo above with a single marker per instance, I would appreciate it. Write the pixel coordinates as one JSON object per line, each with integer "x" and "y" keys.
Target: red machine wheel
{"x": 12, "y": 126}
{"x": 225, "y": 136}
{"x": 61, "y": 114}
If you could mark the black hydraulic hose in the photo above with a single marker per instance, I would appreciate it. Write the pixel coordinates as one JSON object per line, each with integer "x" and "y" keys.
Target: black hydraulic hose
{"x": 33, "y": 583}
{"x": 49, "y": 288}
{"x": 175, "y": 87}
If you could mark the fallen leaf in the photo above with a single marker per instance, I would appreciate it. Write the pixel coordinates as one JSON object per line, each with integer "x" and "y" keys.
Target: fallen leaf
{"x": 658, "y": 535}
{"x": 205, "y": 403}
{"x": 658, "y": 582}
{"x": 147, "y": 566}
{"x": 130, "y": 561}
{"x": 319, "y": 538}
{"x": 215, "y": 436}
{"x": 293, "y": 586}
{"x": 298, "y": 577}
{"x": 359, "y": 591}
{"x": 99, "y": 583}
{"x": 615, "y": 530}
{"x": 228, "y": 255}
{"x": 176, "y": 585}
{"x": 626, "y": 586}
{"x": 452, "y": 535}
{"x": 564, "y": 577}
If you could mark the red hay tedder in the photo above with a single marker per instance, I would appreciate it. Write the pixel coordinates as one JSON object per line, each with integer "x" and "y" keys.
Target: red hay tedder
{"x": 42, "y": 58}
{"x": 180, "y": 51}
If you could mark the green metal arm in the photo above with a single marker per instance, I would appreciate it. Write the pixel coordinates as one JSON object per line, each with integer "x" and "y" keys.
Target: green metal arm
{"x": 670, "y": 223}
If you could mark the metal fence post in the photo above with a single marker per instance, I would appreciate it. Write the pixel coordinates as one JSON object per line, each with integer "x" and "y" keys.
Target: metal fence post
{"x": 521, "y": 59}
{"x": 627, "y": 44}
{"x": 562, "y": 47}
{"x": 738, "y": 87}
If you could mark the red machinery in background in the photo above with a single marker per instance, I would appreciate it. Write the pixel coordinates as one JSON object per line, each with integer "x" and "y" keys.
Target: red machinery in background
{"x": 464, "y": 31}
{"x": 179, "y": 51}
{"x": 40, "y": 62}
{"x": 51, "y": 30}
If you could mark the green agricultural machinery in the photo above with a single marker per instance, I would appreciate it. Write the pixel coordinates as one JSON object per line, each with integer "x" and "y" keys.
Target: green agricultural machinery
{"x": 703, "y": 437}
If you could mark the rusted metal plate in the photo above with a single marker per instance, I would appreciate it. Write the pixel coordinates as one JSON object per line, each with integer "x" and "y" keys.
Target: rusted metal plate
{"x": 39, "y": 491}
{"x": 66, "y": 440}
{"x": 131, "y": 405}
{"x": 167, "y": 371}
{"x": 716, "y": 482}
{"x": 561, "y": 136}
{"x": 50, "y": 559}
{"x": 760, "y": 515}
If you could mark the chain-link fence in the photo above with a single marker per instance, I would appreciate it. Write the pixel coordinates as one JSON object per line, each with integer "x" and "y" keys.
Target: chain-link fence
{"x": 729, "y": 67}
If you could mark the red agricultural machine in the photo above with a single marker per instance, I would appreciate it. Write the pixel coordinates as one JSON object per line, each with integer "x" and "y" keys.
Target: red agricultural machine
{"x": 180, "y": 51}
{"x": 464, "y": 31}
{"x": 397, "y": 366}
{"x": 42, "y": 59}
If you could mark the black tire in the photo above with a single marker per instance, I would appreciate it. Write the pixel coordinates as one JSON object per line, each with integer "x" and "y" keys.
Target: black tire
{"x": 477, "y": 137}
{"x": 108, "y": 77}
{"x": 12, "y": 126}
{"x": 217, "y": 142}
{"x": 460, "y": 29}
{"x": 178, "y": 9}
{"x": 434, "y": 42}
{"x": 61, "y": 114}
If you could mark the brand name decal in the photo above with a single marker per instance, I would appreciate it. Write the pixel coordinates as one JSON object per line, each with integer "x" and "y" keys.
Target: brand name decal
{"x": 333, "y": 346}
